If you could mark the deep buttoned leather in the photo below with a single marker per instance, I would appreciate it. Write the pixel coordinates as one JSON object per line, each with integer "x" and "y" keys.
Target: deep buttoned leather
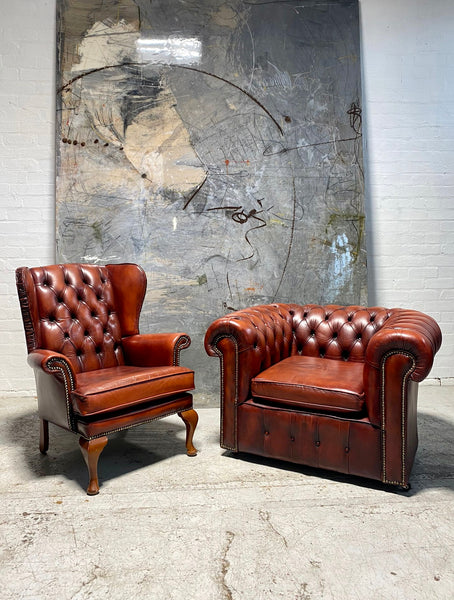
{"x": 74, "y": 314}
{"x": 95, "y": 372}
{"x": 82, "y": 330}
{"x": 330, "y": 386}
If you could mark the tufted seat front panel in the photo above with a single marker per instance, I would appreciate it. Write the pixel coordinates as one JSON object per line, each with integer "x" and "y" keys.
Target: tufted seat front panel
{"x": 76, "y": 311}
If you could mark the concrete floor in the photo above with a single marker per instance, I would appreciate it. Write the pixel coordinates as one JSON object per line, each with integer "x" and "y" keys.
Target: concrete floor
{"x": 169, "y": 527}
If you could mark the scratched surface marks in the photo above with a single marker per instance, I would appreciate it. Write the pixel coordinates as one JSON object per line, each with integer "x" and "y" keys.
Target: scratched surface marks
{"x": 218, "y": 144}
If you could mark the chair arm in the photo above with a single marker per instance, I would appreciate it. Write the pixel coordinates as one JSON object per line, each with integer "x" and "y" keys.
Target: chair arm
{"x": 53, "y": 363}
{"x": 246, "y": 342}
{"x": 55, "y": 380}
{"x": 399, "y": 355}
{"x": 403, "y": 349}
{"x": 260, "y": 336}
{"x": 408, "y": 332}
{"x": 154, "y": 349}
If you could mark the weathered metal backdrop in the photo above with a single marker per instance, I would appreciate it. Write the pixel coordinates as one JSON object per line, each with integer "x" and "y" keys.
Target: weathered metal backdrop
{"x": 218, "y": 144}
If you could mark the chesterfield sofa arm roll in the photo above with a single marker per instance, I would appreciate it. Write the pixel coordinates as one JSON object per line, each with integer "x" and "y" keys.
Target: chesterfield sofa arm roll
{"x": 333, "y": 387}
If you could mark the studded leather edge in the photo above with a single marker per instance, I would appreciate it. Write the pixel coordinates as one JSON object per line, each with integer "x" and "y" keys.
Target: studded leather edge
{"x": 125, "y": 427}
{"x": 30, "y": 334}
{"x": 57, "y": 365}
{"x": 403, "y": 422}
{"x": 183, "y": 342}
{"x": 221, "y": 357}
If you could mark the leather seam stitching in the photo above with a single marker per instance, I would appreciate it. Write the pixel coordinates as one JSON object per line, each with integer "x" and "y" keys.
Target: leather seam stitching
{"x": 307, "y": 387}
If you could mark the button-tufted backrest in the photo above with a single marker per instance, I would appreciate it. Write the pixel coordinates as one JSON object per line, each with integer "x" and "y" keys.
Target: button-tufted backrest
{"x": 331, "y": 331}
{"x": 260, "y": 336}
{"x": 70, "y": 309}
{"x": 267, "y": 334}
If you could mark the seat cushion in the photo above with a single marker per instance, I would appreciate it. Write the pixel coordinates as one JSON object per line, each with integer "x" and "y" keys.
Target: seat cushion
{"x": 116, "y": 388}
{"x": 312, "y": 383}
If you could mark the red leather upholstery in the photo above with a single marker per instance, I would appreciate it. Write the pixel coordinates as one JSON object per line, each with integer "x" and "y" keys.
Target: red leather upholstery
{"x": 72, "y": 312}
{"x": 95, "y": 373}
{"x": 329, "y": 386}
{"x": 117, "y": 388}
{"x": 312, "y": 383}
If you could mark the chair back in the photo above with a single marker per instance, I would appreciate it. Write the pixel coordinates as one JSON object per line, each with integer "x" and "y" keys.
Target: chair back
{"x": 337, "y": 332}
{"x": 72, "y": 309}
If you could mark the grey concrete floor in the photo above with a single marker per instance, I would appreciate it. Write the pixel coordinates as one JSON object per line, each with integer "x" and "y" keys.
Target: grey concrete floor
{"x": 215, "y": 527}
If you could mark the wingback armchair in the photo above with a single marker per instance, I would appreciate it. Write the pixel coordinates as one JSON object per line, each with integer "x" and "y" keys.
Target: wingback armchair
{"x": 331, "y": 387}
{"x": 95, "y": 373}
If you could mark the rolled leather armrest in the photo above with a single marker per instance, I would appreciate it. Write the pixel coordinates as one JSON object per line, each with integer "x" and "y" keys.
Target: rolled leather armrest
{"x": 402, "y": 350}
{"x": 154, "y": 349}
{"x": 249, "y": 341}
{"x": 409, "y": 332}
{"x": 246, "y": 342}
{"x": 53, "y": 363}
{"x": 55, "y": 380}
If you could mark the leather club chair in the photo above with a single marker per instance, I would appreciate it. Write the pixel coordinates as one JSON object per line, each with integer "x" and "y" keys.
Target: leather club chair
{"x": 331, "y": 387}
{"x": 95, "y": 373}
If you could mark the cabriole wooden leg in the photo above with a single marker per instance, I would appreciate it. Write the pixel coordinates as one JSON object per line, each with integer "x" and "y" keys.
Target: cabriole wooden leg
{"x": 91, "y": 449}
{"x": 190, "y": 419}
{"x": 43, "y": 436}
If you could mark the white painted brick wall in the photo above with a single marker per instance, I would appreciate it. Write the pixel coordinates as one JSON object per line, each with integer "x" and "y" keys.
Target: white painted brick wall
{"x": 408, "y": 76}
{"x": 27, "y": 174}
{"x": 408, "y": 89}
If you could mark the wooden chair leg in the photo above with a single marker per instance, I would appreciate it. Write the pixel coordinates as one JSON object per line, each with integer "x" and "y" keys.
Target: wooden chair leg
{"x": 91, "y": 449}
{"x": 43, "y": 436}
{"x": 190, "y": 419}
